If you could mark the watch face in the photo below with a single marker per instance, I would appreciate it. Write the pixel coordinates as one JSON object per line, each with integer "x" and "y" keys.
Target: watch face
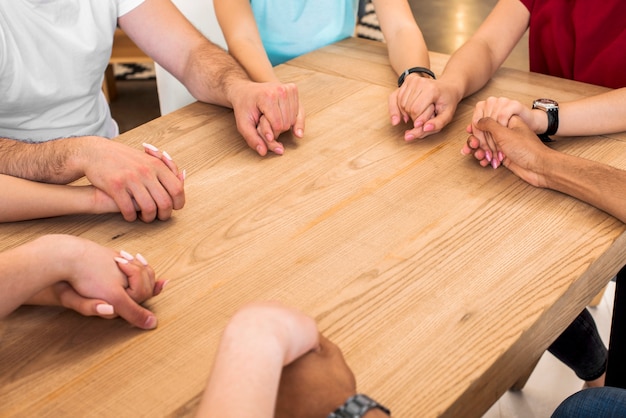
{"x": 546, "y": 104}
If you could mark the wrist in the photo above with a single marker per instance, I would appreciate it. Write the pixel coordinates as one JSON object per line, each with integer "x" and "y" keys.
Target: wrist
{"x": 359, "y": 406}
{"x": 540, "y": 121}
{"x": 415, "y": 71}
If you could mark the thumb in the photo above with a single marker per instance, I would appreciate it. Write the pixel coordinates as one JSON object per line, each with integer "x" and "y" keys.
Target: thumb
{"x": 70, "y": 299}
{"x": 134, "y": 313}
{"x": 488, "y": 124}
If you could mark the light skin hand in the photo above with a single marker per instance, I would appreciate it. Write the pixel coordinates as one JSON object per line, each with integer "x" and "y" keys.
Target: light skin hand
{"x": 429, "y": 103}
{"x": 257, "y": 342}
{"x": 133, "y": 179}
{"x": 263, "y": 111}
{"x": 524, "y": 153}
{"x": 501, "y": 109}
{"x": 94, "y": 273}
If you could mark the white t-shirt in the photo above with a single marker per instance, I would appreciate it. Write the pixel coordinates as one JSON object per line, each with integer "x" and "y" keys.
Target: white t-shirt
{"x": 53, "y": 54}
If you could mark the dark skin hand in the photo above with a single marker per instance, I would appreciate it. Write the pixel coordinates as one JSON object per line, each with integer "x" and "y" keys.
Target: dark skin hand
{"x": 315, "y": 384}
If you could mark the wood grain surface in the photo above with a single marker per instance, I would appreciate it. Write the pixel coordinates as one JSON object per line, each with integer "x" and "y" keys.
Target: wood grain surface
{"x": 441, "y": 281}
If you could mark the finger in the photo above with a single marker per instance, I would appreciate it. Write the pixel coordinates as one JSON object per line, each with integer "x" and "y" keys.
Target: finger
{"x": 395, "y": 114}
{"x": 132, "y": 312}
{"x": 161, "y": 155}
{"x": 141, "y": 280}
{"x": 70, "y": 299}
{"x": 126, "y": 204}
{"x": 143, "y": 198}
{"x": 266, "y": 131}
{"x": 159, "y": 285}
{"x": 298, "y": 127}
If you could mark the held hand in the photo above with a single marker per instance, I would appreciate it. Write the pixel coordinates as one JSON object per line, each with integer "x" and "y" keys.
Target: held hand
{"x": 134, "y": 180}
{"x": 96, "y": 272}
{"x": 430, "y": 104}
{"x": 501, "y": 109}
{"x": 315, "y": 384}
{"x": 265, "y": 110}
{"x": 523, "y": 152}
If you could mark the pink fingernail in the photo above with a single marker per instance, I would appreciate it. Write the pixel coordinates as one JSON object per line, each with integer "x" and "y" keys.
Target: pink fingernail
{"x": 151, "y": 322}
{"x": 121, "y": 260}
{"x": 429, "y": 127}
{"x": 488, "y": 155}
{"x": 500, "y": 156}
{"x": 105, "y": 309}
{"x": 167, "y": 156}
{"x": 150, "y": 147}
{"x": 184, "y": 174}
{"x": 126, "y": 255}
{"x": 494, "y": 163}
{"x": 279, "y": 150}
{"x": 141, "y": 259}
{"x": 164, "y": 284}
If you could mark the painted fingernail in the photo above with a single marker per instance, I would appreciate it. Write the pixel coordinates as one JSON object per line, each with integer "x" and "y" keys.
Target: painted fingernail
{"x": 164, "y": 284}
{"x": 184, "y": 174}
{"x": 500, "y": 156}
{"x": 150, "y": 147}
{"x": 126, "y": 255}
{"x": 121, "y": 260}
{"x": 494, "y": 163}
{"x": 105, "y": 309}
{"x": 141, "y": 259}
{"x": 488, "y": 155}
{"x": 166, "y": 155}
{"x": 151, "y": 322}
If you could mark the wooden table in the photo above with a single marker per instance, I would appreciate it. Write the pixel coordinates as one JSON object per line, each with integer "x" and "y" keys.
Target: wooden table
{"x": 441, "y": 281}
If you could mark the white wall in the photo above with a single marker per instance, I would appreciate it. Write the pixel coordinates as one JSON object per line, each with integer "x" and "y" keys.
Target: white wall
{"x": 172, "y": 94}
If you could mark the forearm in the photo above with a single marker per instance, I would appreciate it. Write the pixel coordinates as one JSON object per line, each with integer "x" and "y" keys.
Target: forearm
{"x": 211, "y": 74}
{"x": 473, "y": 64}
{"x": 26, "y": 270}
{"x": 408, "y": 50}
{"x": 405, "y": 42}
{"x": 600, "y": 185}
{"x": 50, "y": 162}
{"x": 241, "y": 32}
{"x": 469, "y": 68}
{"x": 596, "y": 115}
{"x": 24, "y": 199}
{"x": 245, "y": 374}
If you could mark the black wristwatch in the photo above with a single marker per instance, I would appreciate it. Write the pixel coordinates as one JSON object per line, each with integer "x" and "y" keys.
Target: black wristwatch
{"x": 552, "y": 110}
{"x": 356, "y": 406}
{"x": 420, "y": 70}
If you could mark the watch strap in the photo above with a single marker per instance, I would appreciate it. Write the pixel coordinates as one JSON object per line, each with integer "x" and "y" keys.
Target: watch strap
{"x": 421, "y": 70}
{"x": 357, "y": 406}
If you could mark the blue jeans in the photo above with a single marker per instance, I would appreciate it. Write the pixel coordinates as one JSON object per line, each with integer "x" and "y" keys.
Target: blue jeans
{"x": 605, "y": 402}
{"x": 581, "y": 348}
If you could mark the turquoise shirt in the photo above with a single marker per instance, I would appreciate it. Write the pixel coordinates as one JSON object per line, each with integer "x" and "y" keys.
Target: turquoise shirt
{"x": 290, "y": 28}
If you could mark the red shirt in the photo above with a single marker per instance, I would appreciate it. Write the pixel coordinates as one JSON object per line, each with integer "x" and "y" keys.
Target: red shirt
{"x": 583, "y": 40}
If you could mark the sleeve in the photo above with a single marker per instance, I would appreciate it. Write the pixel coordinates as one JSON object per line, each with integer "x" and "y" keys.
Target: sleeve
{"x": 125, "y": 6}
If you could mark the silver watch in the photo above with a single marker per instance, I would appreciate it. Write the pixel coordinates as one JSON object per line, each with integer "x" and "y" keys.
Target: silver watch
{"x": 356, "y": 406}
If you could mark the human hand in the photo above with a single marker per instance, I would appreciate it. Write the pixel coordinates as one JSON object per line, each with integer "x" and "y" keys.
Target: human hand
{"x": 264, "y": 110}
{"x": 102, "y": 275}
{"x": 523, "y": 152}
{"x": 136, "y": 181}
{"x": 501, "y": 109}
{"x": 315, "y": 384}
{"x": 430, "y": 104}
